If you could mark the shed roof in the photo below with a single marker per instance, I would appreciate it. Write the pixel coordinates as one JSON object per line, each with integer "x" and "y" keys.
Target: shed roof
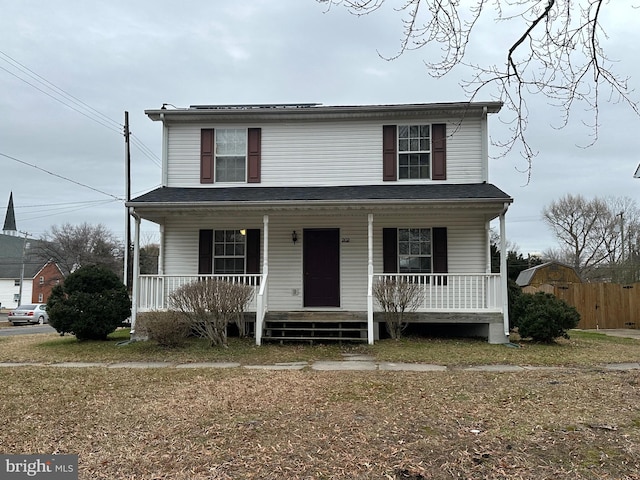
{"x": 525, "y": 276}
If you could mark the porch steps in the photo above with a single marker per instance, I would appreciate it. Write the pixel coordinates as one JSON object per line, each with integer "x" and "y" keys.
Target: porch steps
{"x": 312, "y": 326}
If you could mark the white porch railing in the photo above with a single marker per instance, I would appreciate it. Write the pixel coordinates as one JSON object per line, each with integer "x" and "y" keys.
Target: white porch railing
{"x": 154, "y": 290}
{"x": 450, "y": 292}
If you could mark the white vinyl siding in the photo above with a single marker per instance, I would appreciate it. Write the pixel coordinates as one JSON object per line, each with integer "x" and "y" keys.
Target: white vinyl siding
{"x": 325, "y": 153}
{"x": 467, "y": 248}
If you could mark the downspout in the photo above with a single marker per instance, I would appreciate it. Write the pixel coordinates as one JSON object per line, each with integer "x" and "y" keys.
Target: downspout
{"x": 165, "y": 152}
{"x": 136, "y": 271}
{"x": 485, "y": 145}
{"x": 503, "y": 270}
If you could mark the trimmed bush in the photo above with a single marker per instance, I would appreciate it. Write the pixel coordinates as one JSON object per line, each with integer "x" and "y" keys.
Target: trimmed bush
{"x": 167, "y": 329}
{"x": 90, "y": 304}
{"x": 210, "y": 305}
{"x": 543, "y": 317}
{"x": 396, "y": 297}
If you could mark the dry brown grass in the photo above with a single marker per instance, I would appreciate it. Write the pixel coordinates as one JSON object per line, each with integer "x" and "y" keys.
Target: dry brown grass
{"x": 583, "y": 349}
{"x": 238, "y": 423}
{"x": 578, "y": 422}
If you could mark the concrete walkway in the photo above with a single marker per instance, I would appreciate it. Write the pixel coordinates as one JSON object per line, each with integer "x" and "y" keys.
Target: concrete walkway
{"x": 350, "y": 363}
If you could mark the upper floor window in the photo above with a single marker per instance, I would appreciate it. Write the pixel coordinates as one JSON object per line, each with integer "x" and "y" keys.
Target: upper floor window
{"x": 16, "y": 282}
{"x": 41, "y": 280}
{"x": 414, "y": 151}
{"x": 231, "y": 154}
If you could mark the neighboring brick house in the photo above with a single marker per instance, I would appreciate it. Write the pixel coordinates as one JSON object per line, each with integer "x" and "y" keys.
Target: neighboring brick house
{"x": 312, "y": 205}
{"x": 44, "y": 280}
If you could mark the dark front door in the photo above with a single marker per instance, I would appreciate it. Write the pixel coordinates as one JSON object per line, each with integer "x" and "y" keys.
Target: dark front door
{"x": 321, "y": 267}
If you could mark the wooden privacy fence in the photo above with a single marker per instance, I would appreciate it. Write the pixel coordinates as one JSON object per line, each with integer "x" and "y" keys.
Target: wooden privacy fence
{"x": 601, "y": 305}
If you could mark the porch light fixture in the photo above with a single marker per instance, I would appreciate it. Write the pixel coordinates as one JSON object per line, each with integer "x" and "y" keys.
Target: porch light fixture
{"x": 294, "y": 237}
{"x": 243, "y": 232}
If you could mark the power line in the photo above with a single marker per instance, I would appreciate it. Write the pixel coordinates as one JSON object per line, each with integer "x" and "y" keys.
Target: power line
{"x": 59, "y": 91}
{"x": 58, "y": 100}
{"x": 89, "y": 112}
{"x": 59, "y": 176}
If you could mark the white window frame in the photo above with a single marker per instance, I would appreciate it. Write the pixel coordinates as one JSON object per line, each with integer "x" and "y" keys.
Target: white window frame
{"x": 218, "y": 156}
{"x": 409, "y": 247}
{"x": 410, "y": 150}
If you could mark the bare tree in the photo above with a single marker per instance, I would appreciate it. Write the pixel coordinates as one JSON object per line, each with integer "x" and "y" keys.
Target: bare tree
{"x": 73, "y": 246}
{"x": 552, "y": 48}
{"x": 592, "y": 232}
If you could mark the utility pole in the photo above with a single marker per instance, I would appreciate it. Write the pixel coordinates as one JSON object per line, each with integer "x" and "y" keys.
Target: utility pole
{"x": 127, "y": 168}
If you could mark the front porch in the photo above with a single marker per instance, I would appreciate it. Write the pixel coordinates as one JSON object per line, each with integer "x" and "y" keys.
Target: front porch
{"x": 470, "y": 299}
{"x": 325, "y": 254}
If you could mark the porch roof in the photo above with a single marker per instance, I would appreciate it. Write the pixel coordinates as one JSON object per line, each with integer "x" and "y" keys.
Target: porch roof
{"x": 258, "y": 196}
{"x": 482, "y": 198}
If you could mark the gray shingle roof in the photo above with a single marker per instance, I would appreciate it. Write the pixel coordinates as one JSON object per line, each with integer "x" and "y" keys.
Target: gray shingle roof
{"x": 348, "y": 194}
{"x": 11, "y": 258}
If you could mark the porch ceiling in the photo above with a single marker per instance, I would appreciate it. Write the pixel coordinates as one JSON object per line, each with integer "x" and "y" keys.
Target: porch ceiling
{"x": 483, "y": 198}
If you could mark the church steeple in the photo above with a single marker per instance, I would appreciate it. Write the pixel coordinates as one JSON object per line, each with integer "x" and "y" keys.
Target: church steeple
{"x": 10, "y": 219}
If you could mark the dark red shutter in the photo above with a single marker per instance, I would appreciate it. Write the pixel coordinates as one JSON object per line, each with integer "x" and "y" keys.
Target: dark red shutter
{"x": 255, "y": 152}
{"x": 207, "y": 154}
{"x": 253, "y": 250}
{"x": 389, "y": 153}
{"x": 440, "y": 262}
{"x": 390, "y": 250}
{"x": 439, "y": 151}
{"x": 205, "y": 252}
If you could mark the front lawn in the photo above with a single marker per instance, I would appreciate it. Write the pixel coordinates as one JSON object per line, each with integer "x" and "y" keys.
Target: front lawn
{"x": 583, "y": 349}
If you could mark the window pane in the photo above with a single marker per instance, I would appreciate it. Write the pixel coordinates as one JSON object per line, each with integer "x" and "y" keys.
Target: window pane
{"x": 414, "y": 131}
{"x": 425, "y": 145}
{"x": 425, "y": 131}
{"x": 403, "y": 131}
{"x": 403, "y": 145}
{"x": 414, "y": 250}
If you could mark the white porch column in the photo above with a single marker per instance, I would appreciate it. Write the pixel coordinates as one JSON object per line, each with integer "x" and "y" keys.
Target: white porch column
{"x": 136, "y": 273}
{"x": 370, "y": 333}
{"x": 262, "y": 302}
{"x": 265, "y": 255}
{"x": 503, "y": 270}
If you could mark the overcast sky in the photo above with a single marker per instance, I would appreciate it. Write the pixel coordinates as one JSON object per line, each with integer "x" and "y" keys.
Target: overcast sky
{"x": 117, "y": 56}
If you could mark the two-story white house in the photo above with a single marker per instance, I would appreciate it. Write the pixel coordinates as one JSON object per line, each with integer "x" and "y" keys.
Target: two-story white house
{"x": 313, "y": 204}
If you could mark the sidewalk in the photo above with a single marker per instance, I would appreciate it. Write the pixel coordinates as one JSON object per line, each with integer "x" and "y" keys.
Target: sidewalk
{"x": 350, "y": 363}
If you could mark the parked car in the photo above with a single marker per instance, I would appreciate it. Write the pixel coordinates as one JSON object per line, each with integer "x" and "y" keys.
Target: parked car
{"x": 32, "y": 313}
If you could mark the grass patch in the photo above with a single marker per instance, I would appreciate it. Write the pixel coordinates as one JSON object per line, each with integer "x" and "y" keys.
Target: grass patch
{"x": 582, "y": 349}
